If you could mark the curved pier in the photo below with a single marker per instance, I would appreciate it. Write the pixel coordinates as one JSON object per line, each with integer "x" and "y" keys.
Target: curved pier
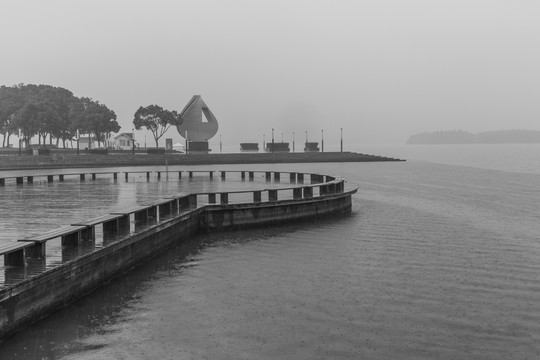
{"x": 95, "y": 250}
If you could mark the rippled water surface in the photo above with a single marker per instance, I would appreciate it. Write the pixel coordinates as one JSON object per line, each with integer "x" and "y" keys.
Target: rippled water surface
{"x": 434, "y": 262}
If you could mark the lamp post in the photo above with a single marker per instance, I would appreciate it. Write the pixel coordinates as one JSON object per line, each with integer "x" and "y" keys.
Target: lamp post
{"x": 78, "y": 137}
{"x": 264, "y": 143}
{"x": 293, "y": 141}
{"x": 341, "y": 141}
{"x": 20, "y": 151}
{"x": 272, "y": 139}
{"x": 220, "y": 147}
{"x": 133, "y": 141}
{"x": 322, "y": 140}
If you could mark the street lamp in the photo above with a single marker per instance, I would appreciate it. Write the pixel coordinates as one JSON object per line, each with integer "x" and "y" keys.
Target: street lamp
{"x": 322, "y": 140}
{"x": 341, "y": 141}
{"x": 133, "y": 141}
{"x": 78, "y": 136}
{"x": 20, "y": 142}
{"x": 293, "y": 141}
{"x": 272, "y": 139}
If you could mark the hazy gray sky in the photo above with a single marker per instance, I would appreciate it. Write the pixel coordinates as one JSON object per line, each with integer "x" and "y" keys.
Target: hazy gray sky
{"x": 380, "y": 69}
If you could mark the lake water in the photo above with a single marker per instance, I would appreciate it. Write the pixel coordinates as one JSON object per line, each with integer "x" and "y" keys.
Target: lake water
{"x": 439, "y": 259}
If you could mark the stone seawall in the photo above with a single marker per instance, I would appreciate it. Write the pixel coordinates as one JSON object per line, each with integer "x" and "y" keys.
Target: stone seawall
{"x": 26, "y": 302}
{"x": 56, "y": 161}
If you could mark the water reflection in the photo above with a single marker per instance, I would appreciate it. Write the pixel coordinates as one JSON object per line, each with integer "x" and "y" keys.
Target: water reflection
{"x": 31, "y": 209}
{"x": 45, "y": 206}
{"x": 79, "y": 327}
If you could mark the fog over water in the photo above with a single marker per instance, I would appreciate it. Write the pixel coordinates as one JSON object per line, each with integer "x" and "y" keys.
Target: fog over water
{"x": 381, "y": 70}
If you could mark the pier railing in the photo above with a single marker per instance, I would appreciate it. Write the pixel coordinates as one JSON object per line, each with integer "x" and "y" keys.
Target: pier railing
{"x": 79, "y": 238}
{"x": 294, "y": 177}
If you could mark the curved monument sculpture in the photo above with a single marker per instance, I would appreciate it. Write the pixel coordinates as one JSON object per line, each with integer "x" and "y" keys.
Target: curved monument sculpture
{"x": 193, "y": 128}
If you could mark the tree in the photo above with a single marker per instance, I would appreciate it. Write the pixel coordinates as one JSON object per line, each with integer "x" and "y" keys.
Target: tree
{"x": 49, "y": 121}
{"x": 61, "y": 101}
{"x": 53, "y": 104}
{"x": 45, "y": 110}
{"x": 93, "y": 118}
{"x": 156, "y": 119}
{"x": 11, "y": 101}
{"x": 28, "y": 120}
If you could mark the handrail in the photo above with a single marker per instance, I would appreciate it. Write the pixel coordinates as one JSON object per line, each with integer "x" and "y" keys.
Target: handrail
{"x": 82, "y": 175}
{"x": 267, "y": 189}
{"x": 156, "y": 171}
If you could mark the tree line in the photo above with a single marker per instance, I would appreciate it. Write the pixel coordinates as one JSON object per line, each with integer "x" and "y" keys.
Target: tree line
{"x": 53, "y": 113}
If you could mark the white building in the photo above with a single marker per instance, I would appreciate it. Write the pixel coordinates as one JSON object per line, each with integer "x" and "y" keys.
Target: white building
{"x": 124, "y": 141}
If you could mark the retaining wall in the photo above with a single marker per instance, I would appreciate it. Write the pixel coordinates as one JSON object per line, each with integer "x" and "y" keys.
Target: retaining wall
{"x": 88, "y": 160}
{"x": 216, "y": 218}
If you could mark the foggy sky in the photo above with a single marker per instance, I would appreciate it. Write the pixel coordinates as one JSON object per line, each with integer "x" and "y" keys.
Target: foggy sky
{"x": 380, "y": 69}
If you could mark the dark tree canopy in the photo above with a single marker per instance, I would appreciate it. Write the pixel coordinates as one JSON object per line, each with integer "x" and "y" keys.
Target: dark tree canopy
{"x": 91, "y": 117}
{"x": 156, "y": 119}
{"x": 28, "y": 119}
{"x": 44, "y": 110}
{"x": 11, "y": 101}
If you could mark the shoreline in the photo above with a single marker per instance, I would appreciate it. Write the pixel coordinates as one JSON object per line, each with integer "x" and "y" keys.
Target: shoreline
{"x": 55, "y": 161}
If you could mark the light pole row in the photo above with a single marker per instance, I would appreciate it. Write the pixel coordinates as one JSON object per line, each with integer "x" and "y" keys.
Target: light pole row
{"x": 293, "y": 140}
{"x": 220, "y": 142}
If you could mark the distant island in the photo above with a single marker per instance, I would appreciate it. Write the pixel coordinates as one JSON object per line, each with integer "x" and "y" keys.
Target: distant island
{"x": 487, "y": 137}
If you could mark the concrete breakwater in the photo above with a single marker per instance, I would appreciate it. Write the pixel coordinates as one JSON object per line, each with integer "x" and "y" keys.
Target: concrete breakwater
{"x": 68, "y": 160}
{"x": 131, "y": 236}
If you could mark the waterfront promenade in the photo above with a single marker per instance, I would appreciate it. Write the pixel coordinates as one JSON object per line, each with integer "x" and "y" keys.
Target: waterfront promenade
{"x": 59, "y": 159}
